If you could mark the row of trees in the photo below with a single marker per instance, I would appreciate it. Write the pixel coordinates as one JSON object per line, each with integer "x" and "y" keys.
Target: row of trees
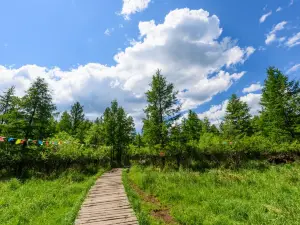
{"x": 34, "y": 116}
{"x": 278, "y": 120}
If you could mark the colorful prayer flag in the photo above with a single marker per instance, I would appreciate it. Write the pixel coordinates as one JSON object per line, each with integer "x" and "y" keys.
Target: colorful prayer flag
{"x": 2, "y": 139}
{"x": 18, "y": 142}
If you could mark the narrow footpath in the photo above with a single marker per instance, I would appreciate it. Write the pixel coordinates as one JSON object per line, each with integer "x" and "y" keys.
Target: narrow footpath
{"x": 107, "y": 203}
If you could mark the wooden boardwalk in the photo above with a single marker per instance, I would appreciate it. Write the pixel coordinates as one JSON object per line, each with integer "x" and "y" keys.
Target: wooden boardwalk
{"x": 107, "y": 202}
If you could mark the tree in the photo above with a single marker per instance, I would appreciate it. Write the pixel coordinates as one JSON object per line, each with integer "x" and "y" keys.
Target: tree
{"x": 65, "y": 123}
{"x": 38, "y": 109}
{"x": 6, "y": 103}
{"x": 280, "y": 106}
{"x": 118, "y": 130}
{"x": 237, "y": 119}
{"x": 77, "y": 117}
{"x": 96, "y": 133}
{"x": 192, "y": 126}
{"x": 205, "y": 125}
{"x": 11, "y": 119}
{"x": 161, "y": 111}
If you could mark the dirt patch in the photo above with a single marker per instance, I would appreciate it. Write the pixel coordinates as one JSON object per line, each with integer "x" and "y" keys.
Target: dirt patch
{"x": 162, "y": 212}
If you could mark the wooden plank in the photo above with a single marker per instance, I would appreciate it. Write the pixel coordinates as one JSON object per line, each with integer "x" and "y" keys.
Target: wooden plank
{"x": 107, "y": 203}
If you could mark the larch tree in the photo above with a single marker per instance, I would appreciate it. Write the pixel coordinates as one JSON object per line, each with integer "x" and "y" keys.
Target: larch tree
{"x": 65, "y": 123}
{"x": 38, "y": 109}
{"x": 161, "y": 111}
{"x": 77, "y": 117}
{"x": 280, "y": 106}
{"x": 237, "y": 118}
{"x": 118, "y": 129}
{"x": 192, "y": 126}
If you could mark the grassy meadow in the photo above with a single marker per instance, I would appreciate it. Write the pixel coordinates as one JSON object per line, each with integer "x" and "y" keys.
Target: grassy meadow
{"x": 51, "y": 200}
{"x": 260, "y": 194}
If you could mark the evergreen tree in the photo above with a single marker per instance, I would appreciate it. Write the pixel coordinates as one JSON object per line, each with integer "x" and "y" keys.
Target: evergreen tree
{"x": 65, "y": 123}
{"x": 191, "y": 127}
{"x": 77, "y": 117}
{"x": 280, "y": 106}
{"x": 38, "y": 109}
{"x": 161, "y": 111}
{"x": 237, "y": 118}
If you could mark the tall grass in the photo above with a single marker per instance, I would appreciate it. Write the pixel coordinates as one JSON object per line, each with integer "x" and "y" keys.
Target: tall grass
{"x": 54, "y": 200}
{"x": 253, "y": 195}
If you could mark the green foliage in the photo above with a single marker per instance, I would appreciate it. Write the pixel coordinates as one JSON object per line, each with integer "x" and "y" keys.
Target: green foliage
{"x": 118, "y": 130}
{"x": 237, "y": 118}
{"x": 192, "y": 127}
{"x": 161, "y": 111}
{"x": 280, "y": 106}
{"x": 38, "y": 109}
{"x": 77, "y": 117}
{"x": 65, "y": 123}
{"x": 220, "y": 196}
{"x": 49, "y": 200}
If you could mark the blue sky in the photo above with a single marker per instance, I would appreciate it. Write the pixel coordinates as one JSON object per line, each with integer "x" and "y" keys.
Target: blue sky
{"x": 94, "y": 51}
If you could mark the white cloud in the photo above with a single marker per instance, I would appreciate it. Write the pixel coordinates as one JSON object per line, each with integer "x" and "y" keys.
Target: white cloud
{"x": 293, "y": 69}
{"x": 264, "y": 17}
{"x": 271, "y": 37}
{"x": 291, "y": 2}
{"x": 133, "y": 6}
{"x": 108, "y": 31}
{"x": 278, "y": 9}
{"x": 186, "y": 46}
{"x": 294, "y": 40}
{"x": 216, "y": 113}
{"x": 253, "y": 88}
{"x": 252, "y": 101}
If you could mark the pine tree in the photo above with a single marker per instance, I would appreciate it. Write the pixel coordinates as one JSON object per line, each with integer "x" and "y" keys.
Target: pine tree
{"x": 38, "y": 109}
{"x": 65, "y": 123}
{"x": 280, "y": 106}
{"x": 237, "y": 119}
{"x": 77, "y": 117}
{"x": 161, "y": 111}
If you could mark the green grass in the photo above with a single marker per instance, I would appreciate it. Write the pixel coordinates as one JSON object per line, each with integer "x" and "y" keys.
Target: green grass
{"x": 141, "y": 208}
{"x": 269, "y": 195}
{"x": 44, "y": 201}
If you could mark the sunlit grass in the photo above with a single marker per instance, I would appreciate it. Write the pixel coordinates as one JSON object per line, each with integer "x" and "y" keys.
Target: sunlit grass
{"x": 44, "y": 201}
{"x": 268, "y": 195}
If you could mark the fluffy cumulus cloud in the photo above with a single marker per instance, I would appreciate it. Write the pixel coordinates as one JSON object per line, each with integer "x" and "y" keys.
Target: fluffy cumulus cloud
{"x": 264, "y": 17}
{"x": 186, "y": 46}
{"x": 253, "y": 88}
{"x": 271, "y": 37}
{"x": 133, "y": 6}
{"x": 293, "y": 69}
{"x": 216, "y": 113}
